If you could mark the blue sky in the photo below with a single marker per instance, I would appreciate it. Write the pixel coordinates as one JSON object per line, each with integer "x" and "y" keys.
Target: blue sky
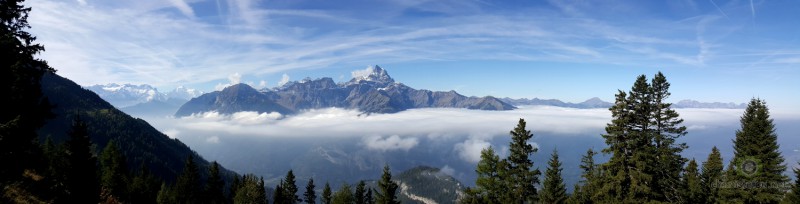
{"x": 727, "y": 51}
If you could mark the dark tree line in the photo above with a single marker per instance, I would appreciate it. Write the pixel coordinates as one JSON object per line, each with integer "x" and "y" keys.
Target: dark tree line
{"x": 645, "y": 164}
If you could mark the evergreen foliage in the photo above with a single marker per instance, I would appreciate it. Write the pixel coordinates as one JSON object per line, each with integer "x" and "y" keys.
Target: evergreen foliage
{"x": 81, "y": 181}
{"x": 757, "y": 161}
{"x": 361, "y": 194}
{"x": 387, "y": 188}
{"x": 145, "y": 187}
{"x": 711, "y": 176}
{"x": 793, "y": 195}
{"x": 692, "y": 187}
{"x": 187, "y": 187}
{"x": 645, "y": 161}
{"x": 344, "y": 195}
{"x": 586, "y": 188}
{"x": 24, "y": 108}
{"x": 290, "y": 189}
{"x": 326, "y": 194}
{"x": 310, "y": 196}
{"x": 114, "y": 179}
{"x": 251, "y": 190}
{"x": 553, "y": 188}
{"x": 520, "y": 178}
{"x": 214, "y": 191}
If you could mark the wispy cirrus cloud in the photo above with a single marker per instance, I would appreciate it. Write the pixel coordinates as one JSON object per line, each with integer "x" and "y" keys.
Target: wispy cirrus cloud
{"x": 169, "y": 43}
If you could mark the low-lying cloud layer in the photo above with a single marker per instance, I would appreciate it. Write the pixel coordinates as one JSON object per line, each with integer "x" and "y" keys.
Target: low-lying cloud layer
{"x": 471, "y": 130}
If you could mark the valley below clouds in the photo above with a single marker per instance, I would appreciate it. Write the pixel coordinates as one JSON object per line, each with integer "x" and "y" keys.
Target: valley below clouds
{"x": 349, "y": 145}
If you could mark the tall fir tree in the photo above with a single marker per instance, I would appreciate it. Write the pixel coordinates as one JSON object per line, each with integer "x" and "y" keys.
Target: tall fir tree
{"x": 585, "y": 188}
{"x": 214, "y": 192}
{"x": 488, "y": 186}
{"x": 165, "y": 195}
{"x": 387, "y": 188}
{"x": 82, "y": 176}
{"x": 368, "y": 198}
{"x": 757, "y": 159}
{"x": 361, "y": 194}
{"x": 114, "y": 178}
{"x": 290, "y": 188}
{"x": 187, "y": 186}
{"x": 310, "y": 196}
{"x": 344, "y": 195}
{"x": 326, "y": 194}
{"x": 667, "y": 129}
{"x": 24, "y": 109}
{"x": 521, "y": 177}
{"x": 144, "y": 187}
{"x": 645, "y": 161}
{"x": 251, "y": 190}
{"x": 553, "y": 188}
{"x": 691, "y": 185}
{"x": 711, "y": 176}
{"x": 616, "y": 172}
{"x": 279, "y": 197}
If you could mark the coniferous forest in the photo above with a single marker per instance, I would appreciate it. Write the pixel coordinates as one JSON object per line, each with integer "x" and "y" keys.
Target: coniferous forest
{"x": 642, "y": 140}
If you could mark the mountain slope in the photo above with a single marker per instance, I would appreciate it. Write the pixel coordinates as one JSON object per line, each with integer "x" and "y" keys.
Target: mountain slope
{"x": 140, "y": 142}
{"x": 428, "y": 185}
{"x": 374, "y": 92}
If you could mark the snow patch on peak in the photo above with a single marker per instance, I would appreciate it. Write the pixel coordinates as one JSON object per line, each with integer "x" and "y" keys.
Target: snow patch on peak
{"x": 372, "y": 74}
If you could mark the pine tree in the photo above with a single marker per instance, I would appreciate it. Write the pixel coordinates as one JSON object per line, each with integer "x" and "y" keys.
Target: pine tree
{"x": 251, "y": 190}
{"x": 692, "y": 188}
{"x": 326, "y": 194}
{"x": 24, "y": 108}
{"x": 488, "y": 186}
{"x": 145, "y": 187}
{"x": 645, "y": 164}
{"x": 344, "y": 195}
{"x": 360, "y": 195}
{"x": 279, "y": 197}
{"x": 310, "y": 196}
{"x": 387, "y": 188}
{"x": 114, "y": 171}
{"x": 521, "y": 177}
{"x": 757, "y": 159}
{"x": 187, "y": 186}
{"x": 793, "y": 196}
{"x": 290, "y": 188}
{"x": 585, "y": 189}
{"x": 711, "y": 175}
{"x": 368, "y": 198}
{"x": 553, "y": 189}
{"x": 165, "y": 195}
{"x": 667, "y": 129}
{"x": 82, "y": 173}
{"x": 235, "y": 185}
{"x": 214, "y": 190}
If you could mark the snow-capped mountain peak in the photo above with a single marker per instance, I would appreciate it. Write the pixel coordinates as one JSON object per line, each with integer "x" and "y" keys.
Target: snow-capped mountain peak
{"x": 124, "y": 95}
{"x": 182, "y": 92}
{"x": 374, "y": 74}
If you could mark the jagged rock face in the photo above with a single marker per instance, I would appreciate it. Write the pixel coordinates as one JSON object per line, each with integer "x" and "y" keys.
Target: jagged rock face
{"x": 372, "y": 92}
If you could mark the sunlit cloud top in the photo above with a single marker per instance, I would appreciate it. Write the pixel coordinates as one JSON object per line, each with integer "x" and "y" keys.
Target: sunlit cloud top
{"x": 747, "y": 46}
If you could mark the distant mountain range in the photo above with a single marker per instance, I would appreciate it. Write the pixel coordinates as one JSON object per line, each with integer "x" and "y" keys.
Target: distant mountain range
{"x": 144, "y": 100}
{"x": 372, "y": 92}
{"x": 125, "y": 95}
